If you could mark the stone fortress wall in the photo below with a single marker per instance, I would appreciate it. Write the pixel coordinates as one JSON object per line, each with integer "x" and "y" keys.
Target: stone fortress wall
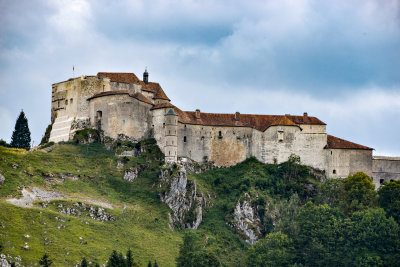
{"x": 122, "y": 105}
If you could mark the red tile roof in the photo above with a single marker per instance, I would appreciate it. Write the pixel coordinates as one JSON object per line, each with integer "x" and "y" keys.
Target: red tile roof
{"x": 284, "y": 121}
{"x": 163, "y": 105}
{"x": 259, "y": 122}
{"x": 137, "y": 96}
{"x": 156, "y": 89}
{"x": 119, "y": 77}
{"x": 338, "y": 143}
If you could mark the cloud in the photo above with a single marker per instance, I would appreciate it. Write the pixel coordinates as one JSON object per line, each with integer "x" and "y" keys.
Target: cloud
{"x": 338, "y": 60}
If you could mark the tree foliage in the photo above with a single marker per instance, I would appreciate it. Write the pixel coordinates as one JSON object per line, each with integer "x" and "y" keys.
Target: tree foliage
{"x": 276, "y": 249}
{"x": 192, "y": 254}
{"x": 45, "y": 261}
{"x": 389, "y": 199}
{"x": 21, "y": 137}
{"x": 359, "y": 192}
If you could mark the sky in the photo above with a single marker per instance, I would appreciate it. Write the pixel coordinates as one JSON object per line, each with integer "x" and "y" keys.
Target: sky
{"x": 337, "y": 60}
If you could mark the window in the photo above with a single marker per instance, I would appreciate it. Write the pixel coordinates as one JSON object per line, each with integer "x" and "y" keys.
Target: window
{"x": 169, "y": 131}
{"x": 381, "y": 181}
{"x": 71, "y": 100}
{"x": 334, "y": 171}
{"x": 220, "y": 134}
{"x": 163, "y": 125}
{"x": 331, "y": 152}
{"x": 66, "y": 102}
{"x": 391, "y": 180}
{"x": 99, "y": 114}
{"x": 184, "y": 139}
{"x": 280, "y": 136}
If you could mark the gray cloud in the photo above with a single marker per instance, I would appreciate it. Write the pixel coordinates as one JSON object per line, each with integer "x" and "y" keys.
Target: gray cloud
{"x": 339, "y": 60}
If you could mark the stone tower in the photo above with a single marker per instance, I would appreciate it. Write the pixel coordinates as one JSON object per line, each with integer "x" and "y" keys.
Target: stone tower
{"x": 171, "y": 139}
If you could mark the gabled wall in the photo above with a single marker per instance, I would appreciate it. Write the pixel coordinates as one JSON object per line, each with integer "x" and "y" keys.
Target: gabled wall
{"x": 121, "y": 114}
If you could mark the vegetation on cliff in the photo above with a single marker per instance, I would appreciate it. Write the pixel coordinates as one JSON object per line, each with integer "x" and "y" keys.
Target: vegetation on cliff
{"x": 82, "y": 208}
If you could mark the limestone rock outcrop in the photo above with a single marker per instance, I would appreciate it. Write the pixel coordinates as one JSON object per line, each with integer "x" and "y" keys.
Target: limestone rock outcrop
{"x": 131, "y": 174}
{"x": 3, "y": 261}
{"x": 247, "y": 221}
{"x": 182, "y": 197}
{"x": 2, "y": 179}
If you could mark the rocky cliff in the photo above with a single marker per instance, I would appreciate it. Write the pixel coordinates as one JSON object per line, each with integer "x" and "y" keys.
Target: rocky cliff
{"x": 183, "y": 198}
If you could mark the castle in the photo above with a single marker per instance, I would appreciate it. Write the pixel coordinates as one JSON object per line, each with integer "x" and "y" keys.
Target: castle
{"x": 124, "y": 106}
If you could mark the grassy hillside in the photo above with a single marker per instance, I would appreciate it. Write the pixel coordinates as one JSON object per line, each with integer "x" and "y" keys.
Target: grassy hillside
{"x": 89, "y": 173}
{"x": 143, "y": 226}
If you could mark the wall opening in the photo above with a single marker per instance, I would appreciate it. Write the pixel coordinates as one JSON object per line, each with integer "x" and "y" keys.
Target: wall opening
{"x": 381, "y": 181}
{"x": 280, "y": 136}
{"x": 71, "y": 100}
{"x": 219, "y": 134}
{"x": 184, "y": 139}
{"x": 163, "y": 125}
{"x": 391, "y": 180}
{"x": 99, "y": 114}
{"x": 66, "y": 102}
{"x": 334, "y": 171}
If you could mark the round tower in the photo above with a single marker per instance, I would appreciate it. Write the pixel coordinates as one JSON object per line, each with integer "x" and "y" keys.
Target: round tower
{"x": 171, "y": 136}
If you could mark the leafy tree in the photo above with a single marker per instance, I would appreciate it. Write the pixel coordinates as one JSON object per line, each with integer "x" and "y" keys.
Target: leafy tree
{"x": 21, "y": 137}
{"x": 372, "y": 237}
{"x": 84, "y": 263}
{"x": 276, "y": 249}
{"x": 3, "y": 143}
{"x": 359, "y": 192}
{"x": 46, "y": 136}
{"x": 45, "y": 261}
{"x": 321, "y": 236}
{"x": 389, "y": 199}
{"x": 331, "y": 192}
{"x": 191, "y": 254}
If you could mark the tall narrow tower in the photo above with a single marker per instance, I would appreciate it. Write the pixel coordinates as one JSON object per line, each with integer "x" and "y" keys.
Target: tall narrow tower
{"x": 146, "y": 76}
{"x": 171, "y": 137}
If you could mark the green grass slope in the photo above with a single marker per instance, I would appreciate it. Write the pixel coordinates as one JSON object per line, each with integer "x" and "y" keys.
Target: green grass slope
{"x": 143, "y": 226}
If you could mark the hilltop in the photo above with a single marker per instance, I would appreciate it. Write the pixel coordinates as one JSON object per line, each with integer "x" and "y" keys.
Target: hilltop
{"x": 81, "y": 200}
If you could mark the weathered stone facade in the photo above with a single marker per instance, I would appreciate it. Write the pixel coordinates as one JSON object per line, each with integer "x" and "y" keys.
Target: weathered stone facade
{"x": 122, "y": 105}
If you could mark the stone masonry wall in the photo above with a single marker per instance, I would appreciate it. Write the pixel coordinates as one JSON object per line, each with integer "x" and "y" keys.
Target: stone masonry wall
{"x": 122, "y": 114}
{"x": 385, "y": 169}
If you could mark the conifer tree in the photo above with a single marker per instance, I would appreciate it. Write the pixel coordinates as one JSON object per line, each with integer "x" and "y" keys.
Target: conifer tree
{"x": 129, "y": 258}
{"x": 84, "y": 263}
{"x": 149, "y": 264}
{"x": 45, "y": 261}
{"x": 155, "y": 264}
{"x": 21, "y": 137}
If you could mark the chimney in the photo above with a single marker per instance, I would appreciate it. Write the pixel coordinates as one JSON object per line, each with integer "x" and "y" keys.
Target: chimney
{"x": 198, "y": 114}
{"x": 237, "y": 116}
{"x": 146, "y": 76}
{"x": 305, "y": 114}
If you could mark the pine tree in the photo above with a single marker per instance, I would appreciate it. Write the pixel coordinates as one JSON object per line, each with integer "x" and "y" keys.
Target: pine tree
{"x": 84, "y": 263}
{"x": 113, "y": 261}
{"x": 45, "y": 261}
{"x": 155, "y": 264}
{"x": 129, "y": 258}
{"x": 149, "y": 264}
{"x": 21, "y": 137}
